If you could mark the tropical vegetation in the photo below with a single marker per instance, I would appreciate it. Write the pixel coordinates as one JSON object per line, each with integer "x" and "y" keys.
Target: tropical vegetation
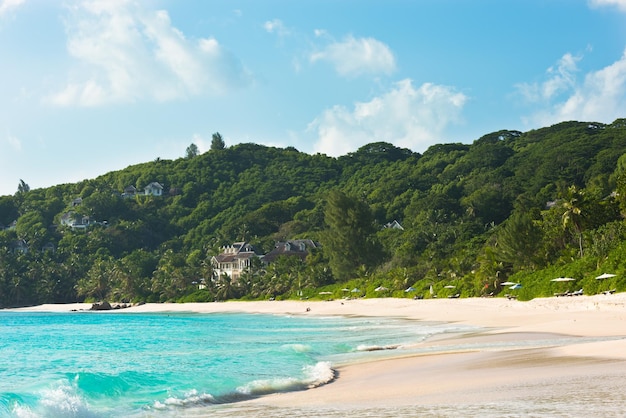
{"x": 519, "y": 207}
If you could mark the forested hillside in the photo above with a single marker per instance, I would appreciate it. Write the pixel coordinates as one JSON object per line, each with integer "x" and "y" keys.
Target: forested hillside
{"x": 511, "y": 206}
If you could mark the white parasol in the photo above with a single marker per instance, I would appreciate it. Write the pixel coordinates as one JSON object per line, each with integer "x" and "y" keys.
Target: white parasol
{"x": 563, "y": 279}
{"x": 605, "y": 276}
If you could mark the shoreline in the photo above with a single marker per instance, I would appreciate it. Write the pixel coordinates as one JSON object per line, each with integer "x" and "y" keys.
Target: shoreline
{"x": 595, "y": 315}
{"x": 585, "y": 353}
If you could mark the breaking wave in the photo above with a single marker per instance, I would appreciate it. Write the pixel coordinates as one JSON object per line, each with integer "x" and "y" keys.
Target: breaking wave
{"x": 314, "y": 376}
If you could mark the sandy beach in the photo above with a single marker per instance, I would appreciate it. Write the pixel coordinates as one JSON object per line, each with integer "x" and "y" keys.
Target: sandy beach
{"x": 563, "y": 354}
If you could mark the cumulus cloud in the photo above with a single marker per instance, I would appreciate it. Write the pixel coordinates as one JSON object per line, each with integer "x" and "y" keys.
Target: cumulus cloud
{"x": 7, "y": 5}
{"x": 599, "y": 97}
{"x": 620, "y": 4}
{"x": 408, "y": 117}
{"x": 357, "y": 56}
{"x": 561, "y": 77}
{"x": 126, "y": 53}
{"x": 276, "y": 26}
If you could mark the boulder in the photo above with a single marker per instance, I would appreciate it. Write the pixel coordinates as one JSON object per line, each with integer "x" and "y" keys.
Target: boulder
{"x": 101, "y": 306}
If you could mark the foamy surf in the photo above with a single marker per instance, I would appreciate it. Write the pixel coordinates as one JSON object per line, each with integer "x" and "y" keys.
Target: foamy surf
{"x": 59, "y": 401}
{"x": 314, "y": 376}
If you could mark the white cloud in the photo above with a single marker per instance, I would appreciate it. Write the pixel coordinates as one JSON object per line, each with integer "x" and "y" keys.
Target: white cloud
{"x": 126, "y": 53}
{"x": 620, "y": 4}
{"x": 276, "y": 26}
{"x": 7, "y": 5}
{"x": 561, "y": 78}
{"x": 357, "y": 56}
{"x": 405, "y": 116}
{"x": 600, "y": 97}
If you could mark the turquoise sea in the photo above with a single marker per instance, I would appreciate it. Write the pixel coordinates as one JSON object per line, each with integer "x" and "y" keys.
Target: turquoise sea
{"x": 90, "y": 364}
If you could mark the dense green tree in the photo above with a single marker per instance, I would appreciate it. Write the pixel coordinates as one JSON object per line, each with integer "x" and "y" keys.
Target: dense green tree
{"x": 518, "y": 241}
{"x": 32, "y": 228}
{"x": 97, "y": 284}
{"x": 22, "y": 187}
{"x": 217, "y": 142}
{"x": 8, "y": 210}
{"x": 191, "y": 151}
{"x": 349, "y": 240}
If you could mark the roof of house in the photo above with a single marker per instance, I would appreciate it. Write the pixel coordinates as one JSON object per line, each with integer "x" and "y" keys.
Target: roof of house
{"x": 154, "y": 185}
{"x": 394, "y": 225}
{"x": 297, "y": 247}
{"x": 237, "y": 251}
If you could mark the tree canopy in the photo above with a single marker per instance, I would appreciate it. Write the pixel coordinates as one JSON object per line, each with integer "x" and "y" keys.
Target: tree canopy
{"x": 510, "y": 206}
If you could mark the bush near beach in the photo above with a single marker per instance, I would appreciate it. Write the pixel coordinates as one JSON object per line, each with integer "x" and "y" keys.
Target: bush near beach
{"x": 458, "y": 220}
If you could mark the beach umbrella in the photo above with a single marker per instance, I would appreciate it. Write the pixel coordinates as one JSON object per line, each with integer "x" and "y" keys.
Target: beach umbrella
{"x": 326, "y": 293}
{"x": 516, "y": 286}
{"x": 355, "y": 290}
{"x": 563, "y": 279}
{"x": 507, "y": 283}
{"x": 380, "y": 289}
{"x": 605, "y": 276}
{"x": 449, "y": 287}
{"x": 431, "y": 289}
{"x": 410, "y": 289}
{"x": 345, "y": 290}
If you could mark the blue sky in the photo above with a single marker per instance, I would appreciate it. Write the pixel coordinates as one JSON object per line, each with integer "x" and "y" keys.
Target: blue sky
{"x": 91, "y": 86}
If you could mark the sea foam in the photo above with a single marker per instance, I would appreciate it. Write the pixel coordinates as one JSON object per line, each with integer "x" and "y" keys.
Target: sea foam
{"x": 313, "y": 376}
{"x": 59, "y": 401}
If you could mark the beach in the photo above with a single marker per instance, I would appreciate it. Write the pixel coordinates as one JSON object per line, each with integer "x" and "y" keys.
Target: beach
{"x": 544, "y": 357}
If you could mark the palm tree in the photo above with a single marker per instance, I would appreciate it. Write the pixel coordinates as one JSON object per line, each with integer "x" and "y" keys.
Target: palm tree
{"x": 97, "y": 283}
{"x": 225, "y": 288}
{"x": 572, "y": 213}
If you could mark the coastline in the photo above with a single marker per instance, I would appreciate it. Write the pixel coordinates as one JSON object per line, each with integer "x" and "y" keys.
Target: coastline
{"x": 582, "y": 362}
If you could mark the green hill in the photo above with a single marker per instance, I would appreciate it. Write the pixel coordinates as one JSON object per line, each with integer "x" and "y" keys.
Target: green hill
{"x": 512, "y": 206}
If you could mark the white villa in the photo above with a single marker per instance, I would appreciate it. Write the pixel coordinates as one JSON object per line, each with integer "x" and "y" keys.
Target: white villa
{"x": 236, "y": 258}
{"x": 153, "y": 189}
{"x": 233, "y": 260}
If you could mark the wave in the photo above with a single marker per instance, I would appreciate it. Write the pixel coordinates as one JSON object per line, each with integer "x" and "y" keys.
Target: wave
{"x": 314, "y": 376}
{"x": 60, "y": 401}
{"x": 298, "y": 348}
{"x": 378, "y": 347}
{"x": 64, "y": 399}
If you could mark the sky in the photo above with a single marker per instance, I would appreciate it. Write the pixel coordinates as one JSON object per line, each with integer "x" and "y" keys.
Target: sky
{"x": 93, "y": 86}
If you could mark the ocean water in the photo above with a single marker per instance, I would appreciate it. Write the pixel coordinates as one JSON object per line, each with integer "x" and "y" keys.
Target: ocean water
{"x": 90, "y": 364}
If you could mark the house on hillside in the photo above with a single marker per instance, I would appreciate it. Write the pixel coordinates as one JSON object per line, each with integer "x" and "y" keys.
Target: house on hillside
{"x": 75, "y": 221}
{"x": 394, "y": 225}
{"x": 129, "y": 191}
{"x": 298, "y": 248}
{"x": 19, "y": 246}
{"x": 233, "y": 260}
{"x": 153, "y": 189}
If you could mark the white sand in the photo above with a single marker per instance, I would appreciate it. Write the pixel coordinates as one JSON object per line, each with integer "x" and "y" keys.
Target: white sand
{"x": 468, "y": 377}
